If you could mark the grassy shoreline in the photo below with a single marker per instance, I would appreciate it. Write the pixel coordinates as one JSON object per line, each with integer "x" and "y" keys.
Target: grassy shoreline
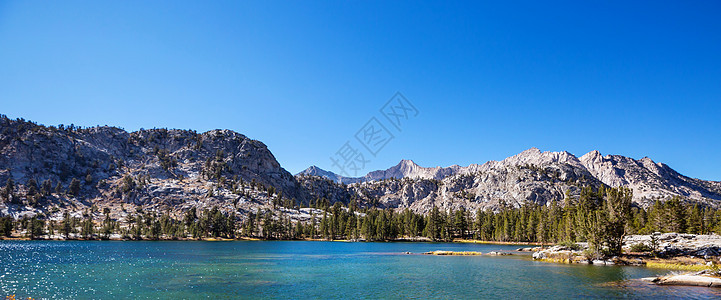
{"x": 679, "y": 263}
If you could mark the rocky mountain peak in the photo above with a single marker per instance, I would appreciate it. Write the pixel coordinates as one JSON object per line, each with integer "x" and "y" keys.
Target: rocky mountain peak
{"x": 593, "y": 155}
{"x": 408, "y": 167}
{"x": 534, "y": 156}
{"x": 311, "y": 169}
{"x": 178, "y": 169}
{"x": 100, "y": 158}
{"x": 648, "y": 180}
{"x": 317, "y": 171}
{"x": 407, "y": 163}
{"x": 530, "y": 153}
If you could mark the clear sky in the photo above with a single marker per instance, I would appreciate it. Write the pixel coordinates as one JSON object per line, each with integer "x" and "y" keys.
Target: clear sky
{"x": 488, "y": 80}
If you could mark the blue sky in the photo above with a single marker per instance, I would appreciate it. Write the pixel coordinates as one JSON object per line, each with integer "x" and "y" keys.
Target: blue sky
{"x": 489, "y": 80}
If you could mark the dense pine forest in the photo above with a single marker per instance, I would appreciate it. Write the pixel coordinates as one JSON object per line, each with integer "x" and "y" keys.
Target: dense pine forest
{"x": 600, "y": 216}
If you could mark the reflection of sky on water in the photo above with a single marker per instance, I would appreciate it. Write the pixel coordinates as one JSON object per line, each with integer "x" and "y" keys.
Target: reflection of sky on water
{"x": 77, "y": 269}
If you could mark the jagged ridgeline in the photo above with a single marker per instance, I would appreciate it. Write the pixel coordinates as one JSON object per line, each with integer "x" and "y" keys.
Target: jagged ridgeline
{"x": 52, "y": 169}
{"x": 530, "y": 177}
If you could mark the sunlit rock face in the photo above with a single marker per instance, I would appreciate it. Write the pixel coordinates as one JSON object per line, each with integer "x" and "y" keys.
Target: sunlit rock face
{"x": 531, "y": 176}
{"x": 175, "y": 170}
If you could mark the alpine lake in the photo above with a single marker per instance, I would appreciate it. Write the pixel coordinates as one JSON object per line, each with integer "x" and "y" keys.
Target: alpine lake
{"x": 307, "y": 270}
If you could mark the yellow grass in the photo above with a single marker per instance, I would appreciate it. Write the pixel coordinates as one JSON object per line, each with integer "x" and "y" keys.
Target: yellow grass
{"x": 680, "y": 263}
{"x": 495, "y": 242}
{"x": 676, "y": 266}
{"x": 556, "y": 260}
{"x": 210, "y": 239}
{"x": 460, "y": 253}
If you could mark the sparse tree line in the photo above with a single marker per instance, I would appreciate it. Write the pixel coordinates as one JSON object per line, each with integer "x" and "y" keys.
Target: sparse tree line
{"x": 11, "y": 127}
{"x": 34, "y": 193}
{"x": 600, "y": 216}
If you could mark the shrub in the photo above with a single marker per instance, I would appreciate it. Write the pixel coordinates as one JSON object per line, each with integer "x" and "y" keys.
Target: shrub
{"x": 128, "y": 184}
{"x": 640, "y": 247}
{"x": 571, "y": 245}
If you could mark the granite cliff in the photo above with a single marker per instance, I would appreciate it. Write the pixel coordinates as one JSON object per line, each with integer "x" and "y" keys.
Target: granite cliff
{"x": 50, "y": 170}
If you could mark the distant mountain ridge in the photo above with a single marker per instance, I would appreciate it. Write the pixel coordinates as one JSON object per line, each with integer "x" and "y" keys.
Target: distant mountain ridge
{"x": 648, "y": 179}
{"x": 404, "y": 169}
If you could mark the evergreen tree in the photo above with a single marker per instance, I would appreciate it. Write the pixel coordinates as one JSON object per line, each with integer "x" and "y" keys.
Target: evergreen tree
{"x": 618, "y": 206}
{"x": 461, "y": 222}
{"x": 6, "y": 226}
{"x": 74, "y": 187}
{"x": 434, "y": 224}
{"x": 67, "y": 226}
{"x": 58, "y": 188}
{"x": 88, "y": 228}
{"x": 46, "y": 187}
{"x": 695, "y": 220}
{"x": 8, "y": 191}
{"x": 35, "y": 228}
{"x": 674, "y": 215}
{"x": 32, "y": 187}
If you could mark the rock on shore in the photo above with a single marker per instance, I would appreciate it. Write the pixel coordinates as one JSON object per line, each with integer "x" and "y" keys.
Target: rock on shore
{"x": 703, "y": 278}
{"x": 667, "y": 245}
{"x": 678, "y": 244}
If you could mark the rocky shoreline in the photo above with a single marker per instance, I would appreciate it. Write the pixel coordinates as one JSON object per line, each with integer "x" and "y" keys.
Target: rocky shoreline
{"x": 688, "y": 252}
{"x": 640, "y": 249}
{"x": 703, "y": 278}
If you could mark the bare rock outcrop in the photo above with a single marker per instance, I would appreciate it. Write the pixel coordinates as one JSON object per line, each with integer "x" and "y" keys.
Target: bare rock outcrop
{"x": 65, "y": 167}
{"x": 530, "y": 176}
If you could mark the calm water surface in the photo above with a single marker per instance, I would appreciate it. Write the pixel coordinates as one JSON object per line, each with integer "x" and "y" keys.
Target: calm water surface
{"x": 302, "y": 270}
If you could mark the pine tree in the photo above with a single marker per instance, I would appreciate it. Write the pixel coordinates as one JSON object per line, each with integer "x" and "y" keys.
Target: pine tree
{"x": 618, "y": 206}
{"x": 8, "y": 190}
{"x": 58, "y": 189}
{"x": 74, "y": 188}
{"x": 67, "y": 226}
{"x": 46, "y": 187}
{"x": 32, "y": 187}
{"x": 695, "y": 220}
{"x": 461, "y": 222}
{"x": 88, "y": 229}
{"x": 433, "y": 225}
{"x": 674, "y": 215}
{"x": 6, "y": 226}
{"x": 35, "y": 227}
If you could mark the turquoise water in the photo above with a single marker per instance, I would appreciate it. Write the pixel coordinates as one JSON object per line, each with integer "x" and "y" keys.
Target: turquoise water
{"x": 302, "y": 270}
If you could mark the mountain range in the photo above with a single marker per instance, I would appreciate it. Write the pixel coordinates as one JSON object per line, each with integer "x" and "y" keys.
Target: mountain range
{"x": 647, "y": 179}
{"x": 404, "y": 169}
{"x": 50, "y": 170}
